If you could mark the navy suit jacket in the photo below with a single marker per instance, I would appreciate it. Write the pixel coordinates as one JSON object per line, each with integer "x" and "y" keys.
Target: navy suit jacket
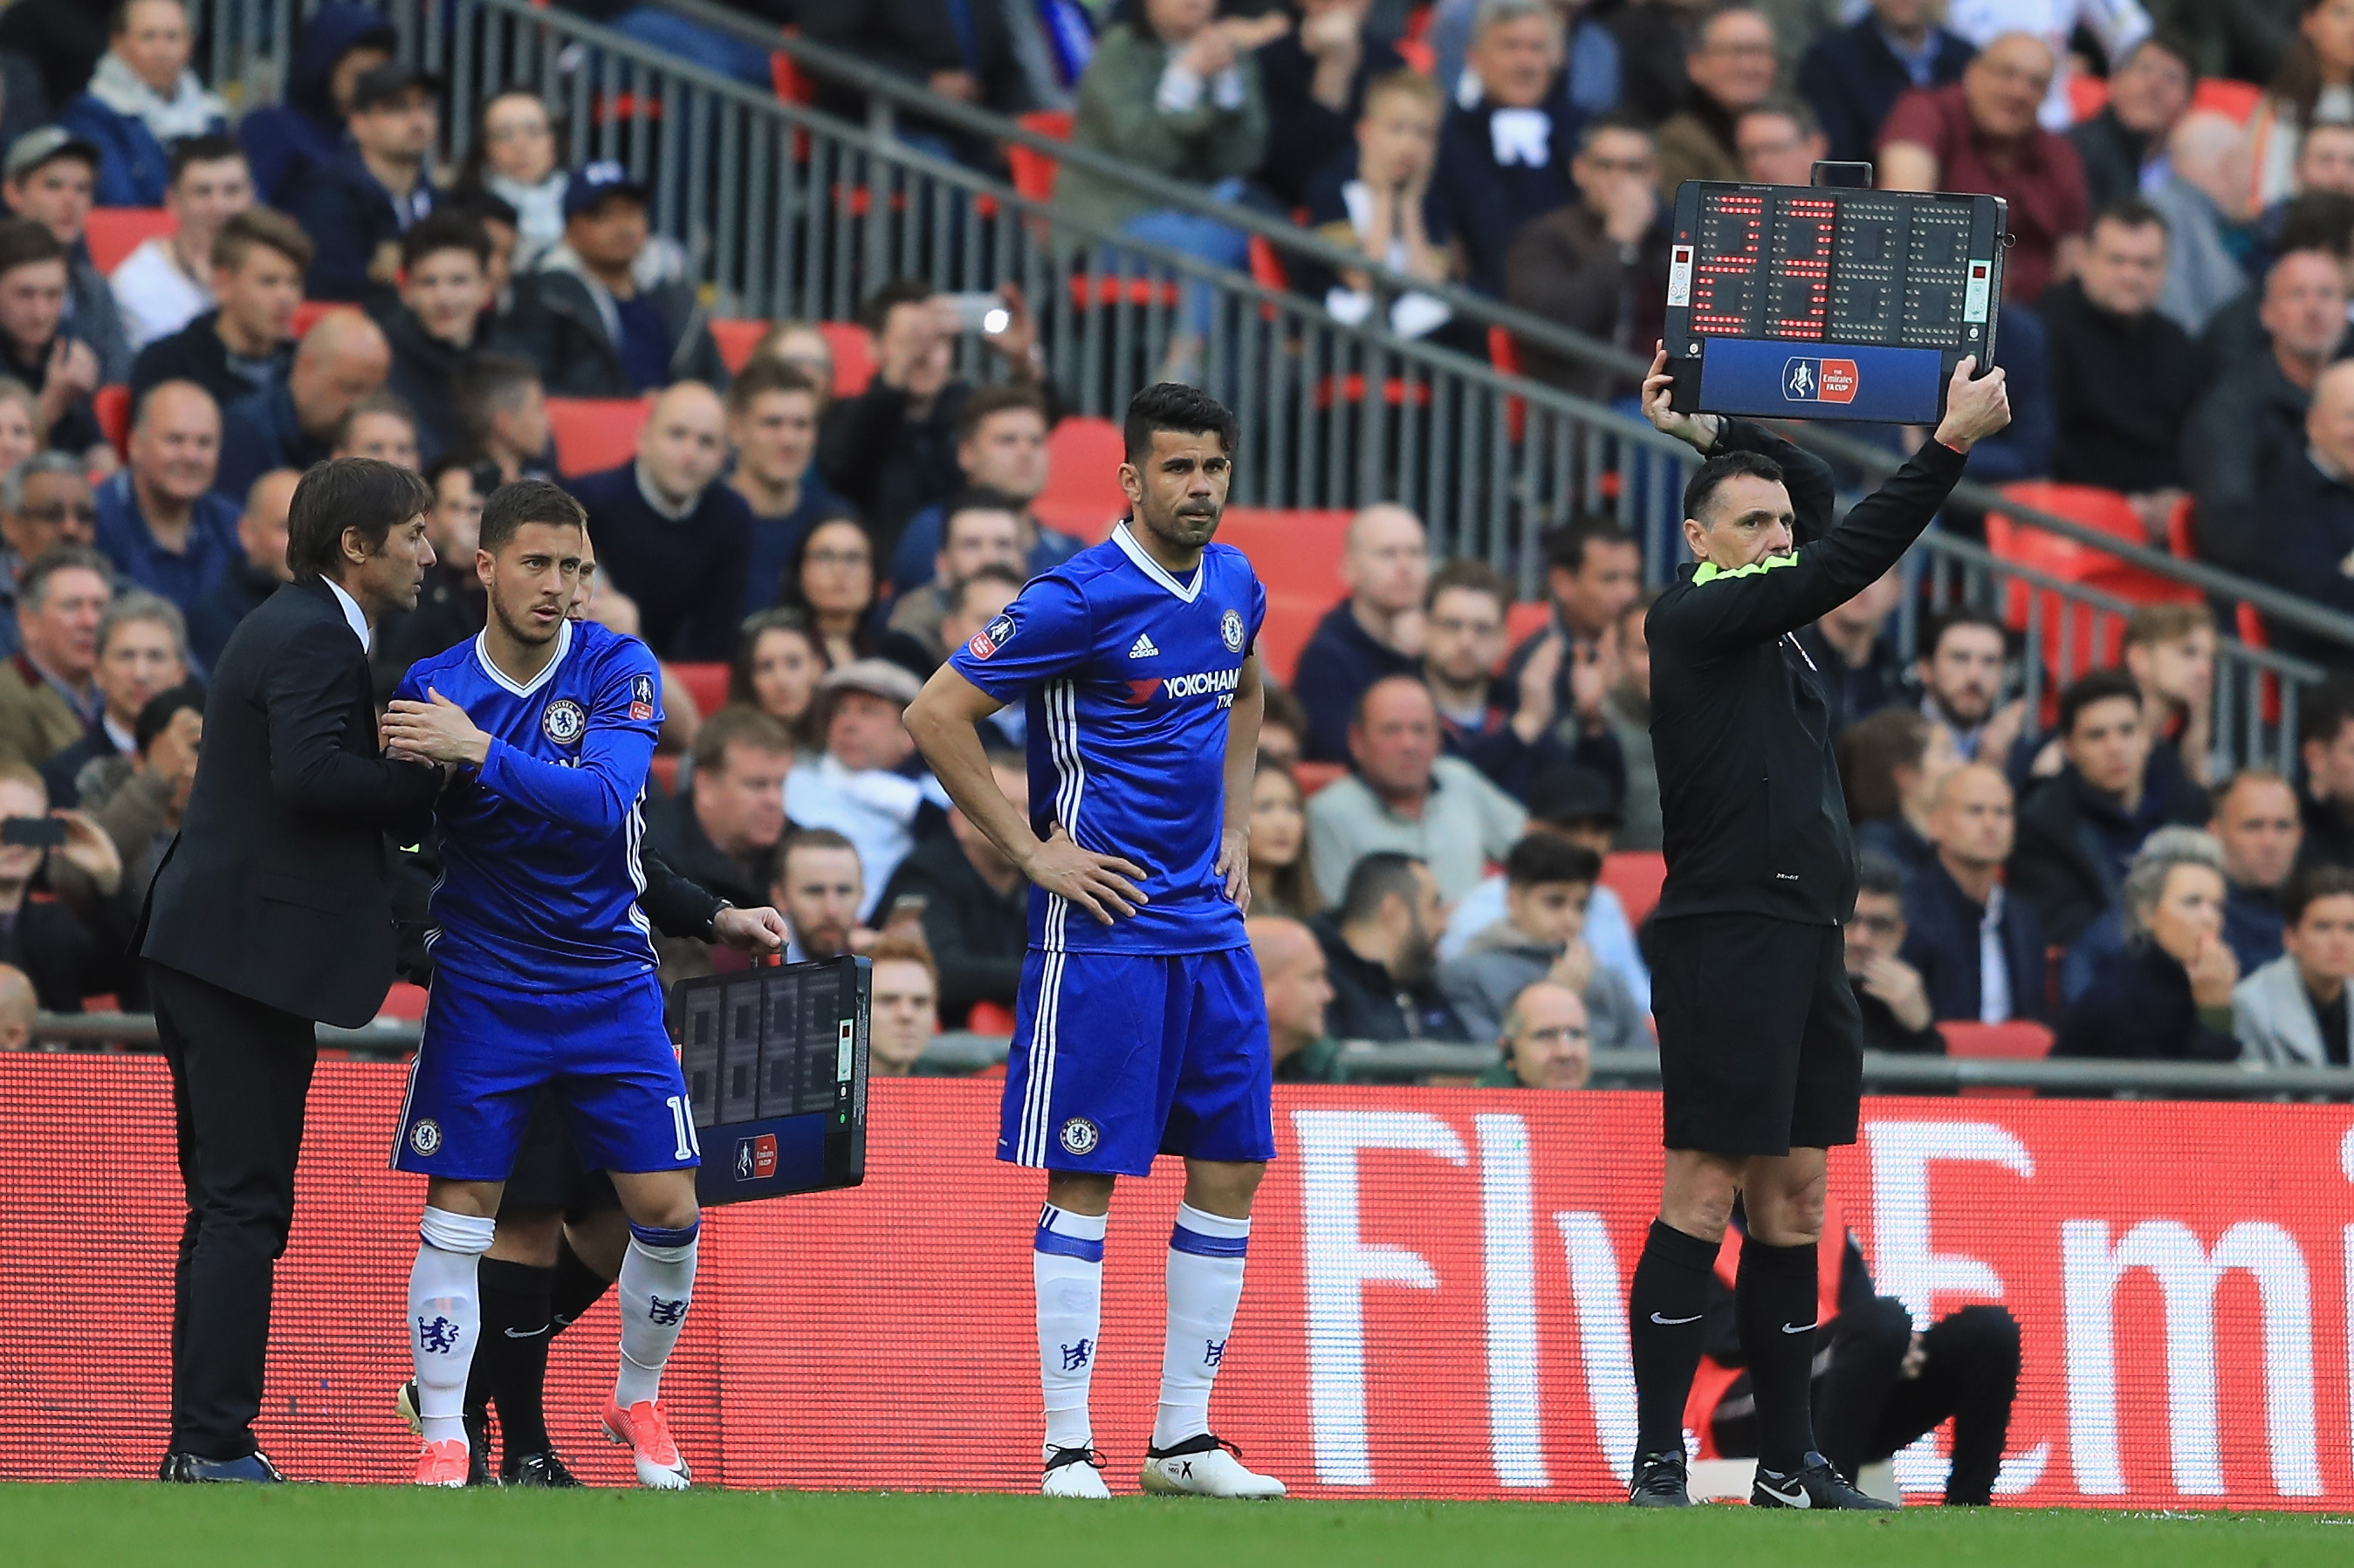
{"x": 1941, "y": 940}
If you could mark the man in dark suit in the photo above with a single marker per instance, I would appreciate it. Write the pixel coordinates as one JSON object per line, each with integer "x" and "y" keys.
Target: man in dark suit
{"x": 1980, "y": 951}
{"x": 272, "y": 911}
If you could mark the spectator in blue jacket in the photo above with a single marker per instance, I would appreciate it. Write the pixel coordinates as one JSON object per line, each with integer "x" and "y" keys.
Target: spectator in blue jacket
{"x": 1373, "y": 633}
{"x": 341, "y": 43}
{"x": 1854, "y": 75}
{"x": 158, "y": 519}
{"x": 357, "y": 209}
{"x": 143, "y": 98}
{"x": 1979, "y": 951}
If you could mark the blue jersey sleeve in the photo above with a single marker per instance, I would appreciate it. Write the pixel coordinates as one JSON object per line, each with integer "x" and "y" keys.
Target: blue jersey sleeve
{"x": 595, "y": 793}
{"x": 1045, "y": 634}
{"x": 1258, "y": 614}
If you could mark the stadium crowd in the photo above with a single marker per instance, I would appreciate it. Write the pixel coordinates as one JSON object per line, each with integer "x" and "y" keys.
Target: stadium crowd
{"x": 1438, "y": 814}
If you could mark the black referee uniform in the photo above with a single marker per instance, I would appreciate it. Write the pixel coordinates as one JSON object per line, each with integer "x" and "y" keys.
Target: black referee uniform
{"x": 1760, "y": 1049}
{"x": 1760, "y": 1042}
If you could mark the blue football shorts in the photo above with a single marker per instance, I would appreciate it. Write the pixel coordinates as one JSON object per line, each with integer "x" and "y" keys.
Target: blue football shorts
{"x": 1118, "y": 1058}
{"x": 488, "y": 1049}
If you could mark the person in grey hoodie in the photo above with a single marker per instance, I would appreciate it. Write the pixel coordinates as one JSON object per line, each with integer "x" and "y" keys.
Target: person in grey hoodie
{"x": 599, "y": 326}
{"x": 1546, "y": 881}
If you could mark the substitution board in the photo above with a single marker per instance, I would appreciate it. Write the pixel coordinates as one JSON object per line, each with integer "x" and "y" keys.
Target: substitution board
{"x": 775, "y": 1061}
{"x": 1822, "y": 302}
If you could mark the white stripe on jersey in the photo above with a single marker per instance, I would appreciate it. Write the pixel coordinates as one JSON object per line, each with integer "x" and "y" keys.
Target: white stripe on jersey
{"x": 408, "y": 1094}
{"x": 1038, "y": 1093}
{"x": 636, "y": 828}
{"x": 1062, "y": 710}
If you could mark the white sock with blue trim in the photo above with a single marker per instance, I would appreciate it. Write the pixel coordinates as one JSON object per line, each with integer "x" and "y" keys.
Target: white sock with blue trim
{"x": 1205, "y": 1285}
{"x": 445, "y": 1315}
{"x": 656, "y": 1285}
{"x": 1066, "y": 1266}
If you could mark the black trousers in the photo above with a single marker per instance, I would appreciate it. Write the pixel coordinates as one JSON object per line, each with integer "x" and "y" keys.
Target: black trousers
{"x": 240, "y": 1073}
{"x": 1866, "y": 1409}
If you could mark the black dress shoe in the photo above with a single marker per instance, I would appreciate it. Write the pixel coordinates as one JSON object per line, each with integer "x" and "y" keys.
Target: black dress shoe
{"x": 540, "y": 1469}
{"x": 254, "y": 1469}
{"x": 1659, "y": 1480}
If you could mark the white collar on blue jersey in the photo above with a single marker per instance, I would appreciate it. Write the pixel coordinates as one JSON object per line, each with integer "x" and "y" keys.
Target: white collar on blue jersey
{"x": 1154, "y": 569}
{"x": 483, "y": 657}
{"x": 351, "y": 608}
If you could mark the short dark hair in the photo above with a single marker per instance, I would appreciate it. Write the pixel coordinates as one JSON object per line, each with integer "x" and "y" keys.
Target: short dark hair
{"x": 875, "y": 310}
{"x": 1616, "y": 120}
{"x": 2309, "y": 886}
{"x": 484, "y": 385}
{"x": 807, "y": 838}
{"x": 1539, "y": 858}
{"x": 2324, "y": 712}
{"x": 1171, "y": 406}
{"x": 117, "y": 15}
{"x": 1465, "y": 573}
{"x": 1357, "y": 708}
{"x": 768, "y": 374}
{"x": 2317, "y": 220}
{"x": 34, "y": 586}
{"x": 2100, "y": 686}
{"x": 510, "y": 506}
{"x": 975, "y": 498}
{"x": 1878, "y": 874}
{"x": 986, "y": 403}
{"x": 1723, "y": 466}
{"x": 24, "y": 242}
{"x": 190, "y": 151}
{"x": 737, "y": 723}
{"x": 1566, "y": 546}
{"x": 445, "y": 230}
{"x": 156, "y": 713}
{"x": 1870, "y": 751}
{"x": 367, "y": 495}
{"x": 1788, "y": 106}
{"x": 1963, "y": 615}
{"x": 1374, "y": 879}
{"x": 2130, "y": 212}
{"x": 992, "y": 572}
{"x": 269, "y": 229}
{"x": 484, "y": 206}
{"x": 2167, "y": 39}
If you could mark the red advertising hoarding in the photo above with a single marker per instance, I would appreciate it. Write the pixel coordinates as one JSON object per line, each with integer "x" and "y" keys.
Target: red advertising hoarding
{"x": 1436, "y": 1303}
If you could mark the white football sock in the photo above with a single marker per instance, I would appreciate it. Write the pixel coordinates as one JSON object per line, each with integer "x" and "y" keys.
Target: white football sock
{"x": 1205, "y": 1283}
{"x": 656, "y": 1285}
{"x": 445, "y": 1313}
{"x": 1066, "y": 1266}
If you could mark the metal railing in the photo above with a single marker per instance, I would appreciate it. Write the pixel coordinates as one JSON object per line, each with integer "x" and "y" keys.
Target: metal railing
{"x": 788, "y": 211}
{"x": 1369, "y": 1061}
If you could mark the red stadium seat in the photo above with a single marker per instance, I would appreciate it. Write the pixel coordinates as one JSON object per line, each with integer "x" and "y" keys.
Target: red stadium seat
{"x": 792, "y": 84}
{"x": 1290, "y": 621}
{"x": 707, "y": 683}
{"x": 2026, "y": 546}
{"x": 1634, "y": 876}
{"x": 1523, "y": 621}
{"x": 662, "y": 774}
{"x": 114, "y": 232}
{"x": 737, "y": 338}
{"x": 593, "y": 433}
{"x": 1297, "y": 548}
{"x": 2087, "y": 94}
{"x": 1314, "y": 775}
{"x": 1504, "y": 355}
{"x": 2249, "y": 626}
{"x": 990, "y": 1018}
{"x": 111, "y": 405}
{"x": 853, "y": 356}
{"x": 2221, "y": 95}
{"x": 1033, "y": 171}
{"x": 2181, "y": 534}
{"x": 404, "y": 1001}
{"x": 2018, "y": 1041}
{"x": 309, "y": 314}
{"x": 1083, "y": 497}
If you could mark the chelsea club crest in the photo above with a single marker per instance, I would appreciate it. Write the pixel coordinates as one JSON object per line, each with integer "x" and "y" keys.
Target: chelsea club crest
{"x": 1230, "y": 628}
{"x": 563, "y": 722}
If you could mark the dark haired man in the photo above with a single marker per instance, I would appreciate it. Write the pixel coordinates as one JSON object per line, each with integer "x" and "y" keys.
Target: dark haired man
{"x": 2080, "y": 830}
{"x": 1380, "y": 954}
{"x": 1001, "y": 445}
{"x": 166, "y": 281}
{"x": 1759, "y": 1079}
{"x": 35, "y": 347}
{"x": 1960, "y": 669}
{"x": 1138, "y": 663}
{"x": 597, "y": 327}
{"x": 1593, "y": 570}
{"x": 271, "y": 913}
{"x": 1547, "y": 880}
{"x": 572, "y": 711}
{"x": 445, "y": 288}
{"x": 772, "y": 414}
{"x": 2293, "y": 1011}
{"x": 502, "y": 414}
{"x": 893, "y": 450}
{"x": 246, "y": 340}
{"x": 982, "y": 529}
{"x": 356, "y": 211}
{"x": 47, "y": 177}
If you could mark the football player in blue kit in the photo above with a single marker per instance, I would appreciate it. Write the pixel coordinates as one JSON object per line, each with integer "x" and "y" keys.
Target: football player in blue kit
{"x": 1140, "y": 1029}
{"x": 544, "y": 967}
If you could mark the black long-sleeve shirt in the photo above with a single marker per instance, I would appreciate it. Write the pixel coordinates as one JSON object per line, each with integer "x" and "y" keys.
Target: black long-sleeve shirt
{"x": 1753, "y": 816}
{"x": 976, "y": 934}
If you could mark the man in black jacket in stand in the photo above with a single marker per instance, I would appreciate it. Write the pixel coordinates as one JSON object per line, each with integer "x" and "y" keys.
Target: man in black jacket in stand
{"x": 1760, "y": 1056}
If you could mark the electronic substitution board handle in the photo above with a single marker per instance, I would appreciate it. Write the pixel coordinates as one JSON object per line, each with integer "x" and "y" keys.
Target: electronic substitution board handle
{"x": 1825, "y": 167}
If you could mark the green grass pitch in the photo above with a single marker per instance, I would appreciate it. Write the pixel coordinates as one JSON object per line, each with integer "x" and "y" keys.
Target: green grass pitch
{"x": 193, "y": 1527}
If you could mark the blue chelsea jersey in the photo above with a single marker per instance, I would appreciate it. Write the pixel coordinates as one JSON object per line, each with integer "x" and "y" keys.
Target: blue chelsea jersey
{"x": 1130, "y": 675}
{"x": 540, "y": 877}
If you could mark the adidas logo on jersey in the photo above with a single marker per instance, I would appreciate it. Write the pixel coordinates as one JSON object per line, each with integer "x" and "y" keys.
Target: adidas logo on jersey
{"x": 1142, "y": 648}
